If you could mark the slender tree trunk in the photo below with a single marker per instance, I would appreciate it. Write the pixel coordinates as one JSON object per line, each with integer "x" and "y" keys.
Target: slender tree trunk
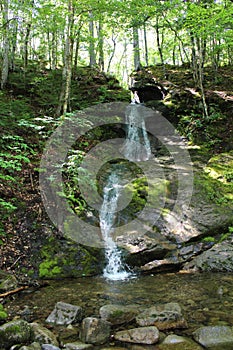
{"x": 136, "y": 49}
{"x": 67, "y": 68}
{"x": 145, "y": 44}
{"x": 53, "y": 52}
{"x": 6, "y": 47}
{"x": 26, "y": 42}
{"x": 92, "y": 53}
{"x": 14, "y": 45}
{"x": 101, "y": 45}
{"x": 113, "y": 52}
{"x": 159, "y": 44}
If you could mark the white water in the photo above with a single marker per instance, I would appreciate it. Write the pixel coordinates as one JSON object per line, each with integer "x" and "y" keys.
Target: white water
{"x": 137, "y": 144}
{"x": 114, "y": 269}
{"x": 136, "y": 148}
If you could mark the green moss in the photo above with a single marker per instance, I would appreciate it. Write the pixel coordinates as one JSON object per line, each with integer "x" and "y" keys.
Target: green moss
{"x": 3, "y": 313}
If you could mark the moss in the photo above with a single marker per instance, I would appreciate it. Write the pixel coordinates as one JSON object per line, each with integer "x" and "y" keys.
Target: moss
{"x": 68, "y": 259}
{"x": 3, "y": 313}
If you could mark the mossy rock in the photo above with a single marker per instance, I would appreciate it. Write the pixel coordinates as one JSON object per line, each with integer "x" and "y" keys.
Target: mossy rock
{"x": 3, "y": 314}
{"x": 15, "y": 332}
{"x": 64, "y": 258}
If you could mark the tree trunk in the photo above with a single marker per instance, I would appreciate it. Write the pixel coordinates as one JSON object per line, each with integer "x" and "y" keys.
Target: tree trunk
{"x": 92, "y": 53}
{"x": 26, "y": 41}
{"x": 136, "y": 49}
{"x": 67, "y": 68}
{"x": 113, "y": 52}
{"x": 159, "y": 44}
{"x": 6, "y": 45}
{"x": 101, "y": 45}
{"x": 145, "y": 44}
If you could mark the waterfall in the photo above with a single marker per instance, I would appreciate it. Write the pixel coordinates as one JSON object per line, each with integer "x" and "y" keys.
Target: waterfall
{"x": 114, "y": 269}
{"x": 137, "y": 144}
{"x": 136, "y": 148}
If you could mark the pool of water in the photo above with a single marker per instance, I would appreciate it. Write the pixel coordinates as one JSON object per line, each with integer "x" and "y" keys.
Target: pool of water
{"x": 206, "y": 298}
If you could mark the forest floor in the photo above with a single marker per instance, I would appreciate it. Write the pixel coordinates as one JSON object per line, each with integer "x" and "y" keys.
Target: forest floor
{"x": 28, "y": 107}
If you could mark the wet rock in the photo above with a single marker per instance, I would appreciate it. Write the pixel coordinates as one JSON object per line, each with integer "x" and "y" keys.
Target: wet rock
{"x": 78, "y": 346}
{"x": 177, "y": 342}
{"x": 44, "y": 335}
{"x": 163, "y": 316}
{"x": 7, "y": 281}
{"x": 218, "y": 258}
{"x": 15, "y": 332}
{"x": 117, "y": 314}
{"x": 94, "y": 330}
{"x": 49, "y": 347}
{"x": 163, "y": 265}
{"x": 215, "y": 337}
{"x": 142, "y": 335}
{"x": 65, "y": 314}
{"x": 33, "y": 346}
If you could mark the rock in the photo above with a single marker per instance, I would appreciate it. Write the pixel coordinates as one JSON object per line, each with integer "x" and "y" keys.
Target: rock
{"x": 65, "y": 314}
{"x": 7, "y": 281}
{"x": 163, "y": 316}
{"x": 168, "y": 264}
{"x": 44, "y": 335}
{"x": 176, "y": 342}
{"x": 94, "y": 330}
{"x": 33, "y": 346}
{"x": 142, "y": 335}
{"x": 49, "y": 347}
{"x": 117, "y": 314}
{"x": 215, "y": 337}
{"x": 15, "y": 332}
{"x": 78, "y": 346}
{"x": 174, "y": 339}
{"x": 218, "y": 258}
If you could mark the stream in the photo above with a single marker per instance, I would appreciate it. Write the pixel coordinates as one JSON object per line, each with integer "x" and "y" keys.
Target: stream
{"x": 206, "y": 298}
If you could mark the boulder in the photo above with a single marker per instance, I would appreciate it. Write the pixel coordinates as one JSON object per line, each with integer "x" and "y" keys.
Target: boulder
{"x": 64, "y": 314}
{"x": 215, "y": 337}
{"x": 163, "y": 316}
{"x": 117, "y": 314}
{"x": 218, "y": 258}
{"x": 44, "y": 335}
{"x": 49, "y": 347}
{"x": 94, "y": 331}
{"x": 33, "y": 346}
{"x": 78, "y": 345}
{"x": 15, "y": 332}
{"x": 142, "y": 335}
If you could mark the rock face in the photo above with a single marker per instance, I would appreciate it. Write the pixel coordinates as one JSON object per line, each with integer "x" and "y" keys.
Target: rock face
{"x": 15, "y": 332}
{"x": 94, "y": 331}
{"x": 65, "y": 314}
{"x": 117, "y": 314}
{"x": 164, "y": 316}
{"x": 142, "y": 335}
{"x": 215, "y": 337}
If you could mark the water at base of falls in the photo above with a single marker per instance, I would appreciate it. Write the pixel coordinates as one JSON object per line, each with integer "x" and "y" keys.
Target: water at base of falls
{"x": 115, "y": 269}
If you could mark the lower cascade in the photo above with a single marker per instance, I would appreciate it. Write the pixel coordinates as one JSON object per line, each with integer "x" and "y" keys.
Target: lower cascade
{"x": 136, "y": 148}
{"x": 114, "y": 269}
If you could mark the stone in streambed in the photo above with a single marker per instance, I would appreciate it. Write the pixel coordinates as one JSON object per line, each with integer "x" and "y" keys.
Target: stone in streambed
{"x": 15, "y": 332}
{"x": 215, "y": 337}
{"x": 44, "y": 335}
{"x": 117, "y": 314}
{"x": 78, "y": 345}
{"x": 65, "y": 314}
{"x": 176, "y": 342}
{"x": 142, "y": 335}
{"x": 163, "y": 316}
{"x": 94, "y": 331}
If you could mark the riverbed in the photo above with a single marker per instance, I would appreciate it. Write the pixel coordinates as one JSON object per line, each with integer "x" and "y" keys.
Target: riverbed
{"x": 205, "y": 298}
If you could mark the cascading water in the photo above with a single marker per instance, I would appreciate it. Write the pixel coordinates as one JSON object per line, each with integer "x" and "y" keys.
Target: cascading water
{"x": 137, "y": 145}
{"x": 136, "y": 148}
{"x": 114, "y": 269}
